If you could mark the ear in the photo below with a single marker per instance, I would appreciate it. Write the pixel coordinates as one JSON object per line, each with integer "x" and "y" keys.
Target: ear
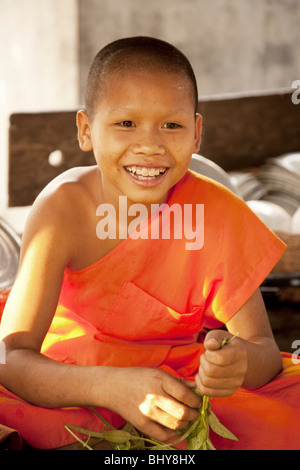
{"x": 198, "y": 132}
{"x": 84, "y": 131}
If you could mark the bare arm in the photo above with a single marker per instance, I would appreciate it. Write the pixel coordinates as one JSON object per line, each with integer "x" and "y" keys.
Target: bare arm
{"x": 47, "y": 247}
{"x": 250, "y": 360}
{"x": 263, "y": 356}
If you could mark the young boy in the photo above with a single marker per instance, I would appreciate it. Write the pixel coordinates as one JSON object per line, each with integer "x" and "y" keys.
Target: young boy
{"x": 105, "y": 312}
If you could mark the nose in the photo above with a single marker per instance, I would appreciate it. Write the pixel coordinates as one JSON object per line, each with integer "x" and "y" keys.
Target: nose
{"x": 148, "y": 142}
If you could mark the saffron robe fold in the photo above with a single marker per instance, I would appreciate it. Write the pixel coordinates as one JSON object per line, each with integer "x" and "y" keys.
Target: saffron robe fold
{"x": 148, "y": 303}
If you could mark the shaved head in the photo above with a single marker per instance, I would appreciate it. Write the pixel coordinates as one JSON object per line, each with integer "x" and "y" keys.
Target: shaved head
{"x": 135, "y": 54}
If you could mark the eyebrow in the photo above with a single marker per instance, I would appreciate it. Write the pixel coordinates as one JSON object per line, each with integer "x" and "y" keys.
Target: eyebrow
{"x": 128, "y": 109}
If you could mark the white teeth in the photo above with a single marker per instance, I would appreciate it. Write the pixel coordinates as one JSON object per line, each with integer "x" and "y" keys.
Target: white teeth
{"x": 143, "y": 172}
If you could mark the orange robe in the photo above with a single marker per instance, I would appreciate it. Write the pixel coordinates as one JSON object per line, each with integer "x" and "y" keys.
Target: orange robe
{"x": 148, "y": 302}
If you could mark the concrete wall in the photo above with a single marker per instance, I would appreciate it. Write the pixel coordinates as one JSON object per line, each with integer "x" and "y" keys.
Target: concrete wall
{"x": 234, "y": 45}
{"x": 38, "y": 69}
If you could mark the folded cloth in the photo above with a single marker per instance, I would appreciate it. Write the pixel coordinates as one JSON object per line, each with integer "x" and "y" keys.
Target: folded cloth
{"x": 147, "y": 303}
{"x": 264, "y": 419}
{"x": 10, "y": 439}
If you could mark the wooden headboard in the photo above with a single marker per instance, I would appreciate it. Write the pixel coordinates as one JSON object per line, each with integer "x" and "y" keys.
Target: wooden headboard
{"x": 239, "y": 131}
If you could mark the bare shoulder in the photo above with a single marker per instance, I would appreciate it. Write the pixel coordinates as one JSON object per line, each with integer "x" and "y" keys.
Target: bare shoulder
{"x": 73, "y": 183}
{"x": 61, "y": 209}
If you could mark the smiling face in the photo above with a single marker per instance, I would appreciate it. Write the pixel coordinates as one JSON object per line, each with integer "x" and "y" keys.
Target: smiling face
{"x": 143, "y": 134}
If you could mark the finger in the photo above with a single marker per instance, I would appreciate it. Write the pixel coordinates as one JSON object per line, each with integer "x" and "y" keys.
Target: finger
{"x": 214, "y": 339}
{"x": 219, "y": 357}
{"x": 181, "y": 392}
{"x": 176, "y": 412}
{"x": 157, "y": 431}
{"x": 171, "y": 422}
{"x": 213, "y": 387}
{"x": 165, "y": 413}
{"x": 216, "y": 392}
{"x": 219, "y": 381}
{"x": 189, "y": 383}
{"x": 213, "y": 369}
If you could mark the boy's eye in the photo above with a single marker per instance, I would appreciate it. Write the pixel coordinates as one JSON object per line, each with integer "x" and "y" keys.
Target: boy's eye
{"x": 126, "y": 124}
{"x": 171, "y": 125}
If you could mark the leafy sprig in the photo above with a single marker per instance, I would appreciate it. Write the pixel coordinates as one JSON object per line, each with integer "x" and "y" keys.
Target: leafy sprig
{"x": 199, "y": 438}
{"x": 197, "y": 433}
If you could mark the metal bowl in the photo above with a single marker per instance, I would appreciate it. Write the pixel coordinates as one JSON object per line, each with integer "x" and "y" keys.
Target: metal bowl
{"x": 10, "y": 244}
{"x": 206, "y": 167}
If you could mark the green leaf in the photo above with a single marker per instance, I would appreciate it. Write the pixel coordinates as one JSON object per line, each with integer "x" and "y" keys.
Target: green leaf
{"x": 85, "y": 431}
{"x": 200, "y": 439}
{"x": 125, "y": 446}
{"x": 134, "y": 433}
{"x": 84, "y": 444}
{"x": 219, "y": 428}
{"x": 118, "y": 437}
{"x": 210, "y": 445}
{"x": 106, "y": 423}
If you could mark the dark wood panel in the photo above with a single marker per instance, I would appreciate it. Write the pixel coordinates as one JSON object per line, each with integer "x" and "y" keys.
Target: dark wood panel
{"x": 242, "y": 131}
{"x": 239, "y": 131}
{"x": 32, "y": 137}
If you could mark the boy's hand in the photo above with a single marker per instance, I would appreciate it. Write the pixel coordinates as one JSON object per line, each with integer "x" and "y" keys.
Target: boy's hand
{"x": 221, "y": 371}
{"x": 154, "y": 401}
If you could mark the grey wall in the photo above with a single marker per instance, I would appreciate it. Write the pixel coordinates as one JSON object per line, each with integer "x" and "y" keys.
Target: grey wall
{"x": 38, "y": 69}
{"x": 234, "y": 45}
